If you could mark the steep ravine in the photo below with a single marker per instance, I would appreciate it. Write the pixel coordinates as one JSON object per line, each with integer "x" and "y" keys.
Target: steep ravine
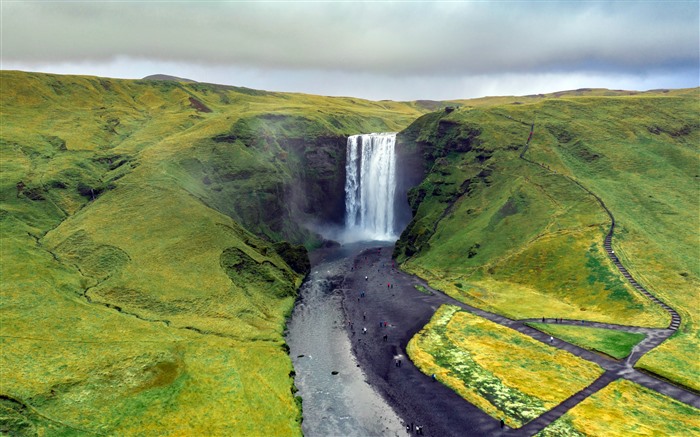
{"x": 287, "y": 184}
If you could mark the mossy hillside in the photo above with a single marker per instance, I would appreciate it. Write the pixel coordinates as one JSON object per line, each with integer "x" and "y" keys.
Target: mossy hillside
{"x": 79, "y": 367}
{"x": 264, "y": 149}
{"x": 624, "y": 408}
{"x": 652, "y": 188}
{"x": 151, "y": 386}
{"x": 524, "y": 240}
{"x": 280, "y": 178}
{"x": 285, "y": 168}
{"x": 68, "y": 366}
{"x": 617, "y": 344}
{"x": 465, "y": 352}
{"x": 132, "y": 302}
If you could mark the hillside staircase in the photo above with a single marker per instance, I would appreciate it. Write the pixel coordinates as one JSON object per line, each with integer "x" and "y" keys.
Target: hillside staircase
{"x": 607, "y": 244}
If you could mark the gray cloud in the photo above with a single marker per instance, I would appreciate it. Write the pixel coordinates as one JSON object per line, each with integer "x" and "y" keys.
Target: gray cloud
{"x": 379, "y": 38}
{"x": 405, "y": 50}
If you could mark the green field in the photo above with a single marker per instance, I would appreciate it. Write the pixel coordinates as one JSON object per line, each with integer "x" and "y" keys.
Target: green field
{"x": 526, "y": 241}
{"x": 145, "y": 283}
{"x": 623, "y": 409}
{"x": 505, "y": 373}
{"x": 617, "y": 344}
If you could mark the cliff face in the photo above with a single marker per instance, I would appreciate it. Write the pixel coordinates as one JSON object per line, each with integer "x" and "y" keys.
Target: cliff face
{"x": 424, "y": 146}
{"x": 411, "y": 168}
{"x": 267, "y": 173}
{"x": 317, "y": 189}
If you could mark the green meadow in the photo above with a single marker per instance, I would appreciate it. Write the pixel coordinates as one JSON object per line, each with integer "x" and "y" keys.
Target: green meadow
{"x": 153, "y": 239}
{"x": 526, "y": 240}
{"x": 617, "y": 344}
{"x": 465, "y": 352}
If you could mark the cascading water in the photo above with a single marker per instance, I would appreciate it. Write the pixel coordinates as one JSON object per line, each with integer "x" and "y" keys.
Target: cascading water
{"x": 370, "y": 186}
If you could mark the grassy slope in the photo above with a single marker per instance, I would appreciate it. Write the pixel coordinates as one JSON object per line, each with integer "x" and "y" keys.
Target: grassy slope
{"x": 463, "y": 351}
{"x": 651, "y": 147}
{"x": 132, "y": 302}
{"x": 506, "y": 235}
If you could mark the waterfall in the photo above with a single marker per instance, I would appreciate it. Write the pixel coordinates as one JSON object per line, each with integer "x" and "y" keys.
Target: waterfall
{"x": 370, "y": 185}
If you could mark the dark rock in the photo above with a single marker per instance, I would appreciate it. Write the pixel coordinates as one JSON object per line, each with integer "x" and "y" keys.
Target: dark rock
{"x": 329, "y": 243}
{"x": 199, "y": 106}
{"x": 296, "y": 257}
{"x": 34, "y": 193}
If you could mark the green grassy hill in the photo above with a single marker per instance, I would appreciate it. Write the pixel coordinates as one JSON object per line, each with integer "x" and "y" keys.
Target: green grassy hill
{"x": 525, "y": 240}
{"x": 149, "y": 230}
{"x": 145, "y": 283}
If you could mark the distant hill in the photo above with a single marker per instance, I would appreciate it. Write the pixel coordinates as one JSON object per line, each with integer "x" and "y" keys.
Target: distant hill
{"x": 581, "y": 92}
{"x": 167, "y": 77}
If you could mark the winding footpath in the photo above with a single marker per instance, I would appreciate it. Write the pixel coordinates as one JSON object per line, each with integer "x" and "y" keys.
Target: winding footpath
{"x": 653, "y": 337}
{"x": 607, "y": 242}
{"x": 438, "y": 409}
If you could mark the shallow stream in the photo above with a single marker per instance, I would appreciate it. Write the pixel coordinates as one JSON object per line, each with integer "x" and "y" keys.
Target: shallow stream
{"x": 334, "y": 404}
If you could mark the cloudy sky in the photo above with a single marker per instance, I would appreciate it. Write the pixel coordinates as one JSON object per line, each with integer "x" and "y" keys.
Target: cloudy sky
{"x": 400, "y": 50}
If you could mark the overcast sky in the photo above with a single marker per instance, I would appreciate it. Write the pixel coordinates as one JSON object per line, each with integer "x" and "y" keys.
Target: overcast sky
{"x": 378, "y": 50}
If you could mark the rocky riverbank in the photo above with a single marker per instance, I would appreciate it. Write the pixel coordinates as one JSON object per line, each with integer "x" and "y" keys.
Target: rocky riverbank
{"x": 392, "y": 310}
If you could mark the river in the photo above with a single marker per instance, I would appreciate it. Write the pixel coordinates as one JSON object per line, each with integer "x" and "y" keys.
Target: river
{"x": 342, "y": 403}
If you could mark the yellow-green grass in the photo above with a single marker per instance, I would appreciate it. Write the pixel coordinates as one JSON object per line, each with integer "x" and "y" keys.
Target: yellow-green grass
{"x": 617, "y": 344}
{"x": 507, "y": 374}
{"x": 103, "y": 199}
{"x": 624, "y": 409}
{"x": 521, "y": 241}
{"x": 516, "y": 238}
{"x": 91, "y": 113}
{"x": 651, "y": 145}
{"x": 245, "y": 148}
{"x": 89, "y": 368}
{"x": 482, "y": 102}
{"x": 85, "y": 368}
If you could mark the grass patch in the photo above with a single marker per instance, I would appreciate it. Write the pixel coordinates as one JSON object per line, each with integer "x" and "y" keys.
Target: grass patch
{"x": 624, "y": 408}
{"x": 422, "y": 289}
{"x": 617, "y": 344}
{"x": 503, "y": 372}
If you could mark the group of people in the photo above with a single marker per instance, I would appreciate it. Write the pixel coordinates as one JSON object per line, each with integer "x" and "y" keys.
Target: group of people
{"x": 417, "y": 428}
{"x": 556, "y": 320}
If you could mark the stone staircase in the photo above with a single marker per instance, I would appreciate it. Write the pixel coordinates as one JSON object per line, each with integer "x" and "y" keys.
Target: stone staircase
{"x": 607, "y": 244}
